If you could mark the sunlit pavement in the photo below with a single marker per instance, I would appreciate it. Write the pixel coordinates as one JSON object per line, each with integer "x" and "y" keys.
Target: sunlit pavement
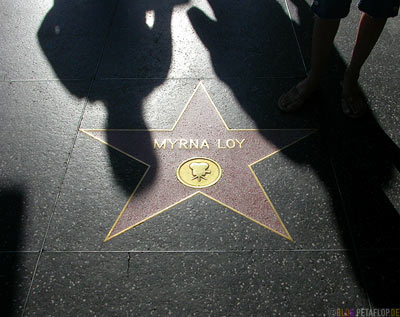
{"x": 146, "y": 169}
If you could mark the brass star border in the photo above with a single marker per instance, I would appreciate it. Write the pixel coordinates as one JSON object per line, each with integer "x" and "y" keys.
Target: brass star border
{"x": 193, "y": 136}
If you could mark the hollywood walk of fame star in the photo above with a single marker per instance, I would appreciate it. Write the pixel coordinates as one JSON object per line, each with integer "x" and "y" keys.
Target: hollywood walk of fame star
{"x": 199, "y": 155}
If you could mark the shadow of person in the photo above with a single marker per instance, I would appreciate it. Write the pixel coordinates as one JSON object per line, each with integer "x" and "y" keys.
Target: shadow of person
{"x": 365, "y": 162}
{"x": 110, "y": 46}
{"x": 254, "y": 51}
{"x": 12, "y": 214}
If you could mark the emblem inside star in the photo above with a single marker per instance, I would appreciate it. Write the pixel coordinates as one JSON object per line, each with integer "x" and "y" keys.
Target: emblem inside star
{"x": 199, "y": 155}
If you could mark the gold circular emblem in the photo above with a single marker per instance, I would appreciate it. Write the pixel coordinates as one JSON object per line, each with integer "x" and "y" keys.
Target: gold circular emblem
{"x": 199, "y": 172}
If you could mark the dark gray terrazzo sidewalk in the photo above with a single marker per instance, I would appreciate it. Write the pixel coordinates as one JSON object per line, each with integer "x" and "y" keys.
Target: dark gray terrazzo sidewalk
{"x": 120, "y": 64}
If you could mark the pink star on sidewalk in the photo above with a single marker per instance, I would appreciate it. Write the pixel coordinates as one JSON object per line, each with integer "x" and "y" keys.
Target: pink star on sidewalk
{"x": 199, "y": 133}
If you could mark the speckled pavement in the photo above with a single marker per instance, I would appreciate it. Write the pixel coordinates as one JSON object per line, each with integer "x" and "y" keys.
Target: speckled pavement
{"x": 146, "y": 169}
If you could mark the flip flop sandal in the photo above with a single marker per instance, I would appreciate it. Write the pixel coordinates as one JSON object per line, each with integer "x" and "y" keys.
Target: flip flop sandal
{"x": 291, "y": 101}
{"x": 354, "y": 107}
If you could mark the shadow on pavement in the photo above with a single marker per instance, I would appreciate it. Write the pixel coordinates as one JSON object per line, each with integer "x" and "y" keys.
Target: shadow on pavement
{"x": 72, "y": 36}
{"x": 12, "y": 210}
{"x": 363, "y": 158}
{"x": 248, "y": 45}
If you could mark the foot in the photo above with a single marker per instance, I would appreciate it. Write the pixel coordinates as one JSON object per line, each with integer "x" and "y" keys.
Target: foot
{"x": 296, "y": 97}
{"x": 353, "y": 103}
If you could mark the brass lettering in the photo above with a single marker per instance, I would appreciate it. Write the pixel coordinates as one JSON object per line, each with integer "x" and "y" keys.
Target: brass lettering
{"x": 158, "y": 145}
{"x": 219, "y": 145}
{"x": 230, "y": 143}
{"x": 172, "y": 143}
{"x": 204, "y": 144}
{"x": 194, "y": 144}
{"x": 240, "y": 142}
{"x": 183, "y": 143}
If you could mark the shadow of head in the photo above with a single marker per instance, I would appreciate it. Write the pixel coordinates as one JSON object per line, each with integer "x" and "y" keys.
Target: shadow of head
{"x": 86, "y": 40}
{"x": 95, "y": 41}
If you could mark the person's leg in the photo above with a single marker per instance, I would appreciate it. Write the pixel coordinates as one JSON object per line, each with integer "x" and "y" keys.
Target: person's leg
{"x": 322, "y": 42}
{"x": 328, "y": 14}
{"x": 324, "y": 32}
{"x": 368, "y": 34}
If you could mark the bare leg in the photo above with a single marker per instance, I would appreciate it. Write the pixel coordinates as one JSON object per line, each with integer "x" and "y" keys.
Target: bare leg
{"x": 323, "y": 36}
{"x": 369, "y": 31}
{"x": 324, "y": 33}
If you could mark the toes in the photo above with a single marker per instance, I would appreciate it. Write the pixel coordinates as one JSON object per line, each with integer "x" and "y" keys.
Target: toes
{"x": 283, "y": 102}
{"x": 345, "y": 107}
{"x": 353, "y": 107}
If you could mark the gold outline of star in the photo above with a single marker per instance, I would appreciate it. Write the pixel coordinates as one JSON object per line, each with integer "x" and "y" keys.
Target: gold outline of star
{"x": 110, "y": 236}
